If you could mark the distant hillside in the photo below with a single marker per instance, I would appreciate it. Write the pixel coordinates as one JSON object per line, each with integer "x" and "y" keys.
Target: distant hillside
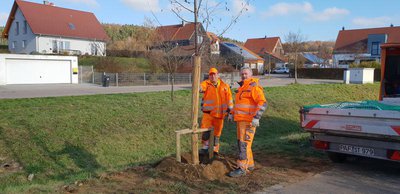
{"x": 314, "y": 46}
{"x": 226, "y": 39}
{"x": 122, "y": 32}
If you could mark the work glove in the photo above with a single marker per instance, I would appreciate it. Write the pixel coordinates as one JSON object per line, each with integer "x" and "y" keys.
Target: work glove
{"x": 255, "y": 122}
{"x": 230, "y": 118}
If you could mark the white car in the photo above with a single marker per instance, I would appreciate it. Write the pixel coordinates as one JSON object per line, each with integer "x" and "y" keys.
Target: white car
{"x": 281, "y": 70}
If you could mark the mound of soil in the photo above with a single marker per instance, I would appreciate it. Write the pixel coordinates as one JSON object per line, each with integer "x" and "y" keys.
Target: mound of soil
{"x": 170, "y": 176}
{"x": 215, "y": 169}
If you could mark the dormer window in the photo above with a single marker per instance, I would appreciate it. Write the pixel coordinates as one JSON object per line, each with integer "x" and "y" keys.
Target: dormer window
{"x": 71, "y": 26}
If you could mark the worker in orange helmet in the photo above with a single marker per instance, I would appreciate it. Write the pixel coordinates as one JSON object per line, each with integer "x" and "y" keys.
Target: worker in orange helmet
{"x": 250, "y": 104}
{"x": 216, "y": 103}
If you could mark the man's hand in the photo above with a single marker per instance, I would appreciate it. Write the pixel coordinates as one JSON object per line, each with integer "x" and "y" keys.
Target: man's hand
{"x": 230, "y": 118}
{"x": 255, "y": 122}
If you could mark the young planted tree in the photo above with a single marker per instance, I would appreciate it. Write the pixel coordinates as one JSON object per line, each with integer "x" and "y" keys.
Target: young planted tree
{"x": 325, "y": 50}
{"x": 294, "y": 45}
{"x": 200, "y": 10}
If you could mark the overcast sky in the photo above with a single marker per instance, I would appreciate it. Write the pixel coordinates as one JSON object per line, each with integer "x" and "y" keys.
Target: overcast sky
{"x": 316, "y": 19}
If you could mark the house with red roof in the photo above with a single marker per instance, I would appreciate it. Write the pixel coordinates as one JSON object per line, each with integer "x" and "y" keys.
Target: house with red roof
{"x": 48, "y": 29}
{"x": 269, "y": 48}
{"x": 239, "y": 56}
{"x": 182, "y": 36}
{"x": 358, "y": 45}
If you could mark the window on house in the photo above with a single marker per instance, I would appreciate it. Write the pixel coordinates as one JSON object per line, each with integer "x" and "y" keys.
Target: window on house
{"x": 199, "y": 39}
{"x": 61, "y": 45}
{"x": 16, "y": 28}
{"x": 55, "y": 46}
{"x": 67, "y": 45}
{"x": 23, "y": 43}
{"x": 14, "y": 44}
{"x": 71, "y": 26}
{"x": 25, "y": 27}
{"x": 375, "y": 48}
{"x": 94, "y": 48}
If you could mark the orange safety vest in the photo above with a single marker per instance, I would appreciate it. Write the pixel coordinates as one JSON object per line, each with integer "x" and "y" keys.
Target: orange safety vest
{"x": 248, "y": 100}
{"x": 216, "y": 99}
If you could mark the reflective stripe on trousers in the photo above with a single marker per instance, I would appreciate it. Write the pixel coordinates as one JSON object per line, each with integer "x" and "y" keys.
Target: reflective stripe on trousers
{"x": 245, "y": 136}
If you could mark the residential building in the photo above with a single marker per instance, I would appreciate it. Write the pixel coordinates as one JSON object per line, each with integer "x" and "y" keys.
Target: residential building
{"x": 358, "y": 45}
{"x": 269, "y": 48}
{"x": 240, "y": 56}
{"x": 48, "y": 29}
{"x": 182, "y": 35}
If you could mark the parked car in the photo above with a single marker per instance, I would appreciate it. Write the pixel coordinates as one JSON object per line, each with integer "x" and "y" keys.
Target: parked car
{"x": 281, "y": 70}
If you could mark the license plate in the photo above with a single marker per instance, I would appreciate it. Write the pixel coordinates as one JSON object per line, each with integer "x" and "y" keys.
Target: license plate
{"x": 357, "y": 150}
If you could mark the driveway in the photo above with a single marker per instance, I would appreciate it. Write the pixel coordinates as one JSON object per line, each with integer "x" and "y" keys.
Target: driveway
{"x": 55, "y": 90}
{"x": 357, "y": 176}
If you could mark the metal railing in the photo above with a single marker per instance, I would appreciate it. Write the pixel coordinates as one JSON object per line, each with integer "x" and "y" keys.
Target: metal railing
{"x": 88, "y": 75}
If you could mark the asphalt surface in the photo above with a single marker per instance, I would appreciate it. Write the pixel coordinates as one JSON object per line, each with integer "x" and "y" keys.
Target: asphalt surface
{"x": 56, "y": 90}
{"x": 357, "y": 176}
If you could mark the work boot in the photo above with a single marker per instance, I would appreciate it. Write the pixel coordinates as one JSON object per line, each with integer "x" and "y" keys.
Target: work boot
{"x": 237, "y": 173}
{"x": 250, "y": 168}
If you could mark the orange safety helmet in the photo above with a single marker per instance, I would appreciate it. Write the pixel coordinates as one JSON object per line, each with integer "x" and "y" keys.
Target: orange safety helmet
{"x": 213, "y": 70}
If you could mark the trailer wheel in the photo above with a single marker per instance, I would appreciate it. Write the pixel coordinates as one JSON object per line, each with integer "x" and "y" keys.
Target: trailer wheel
{"x": 336, "y": 157}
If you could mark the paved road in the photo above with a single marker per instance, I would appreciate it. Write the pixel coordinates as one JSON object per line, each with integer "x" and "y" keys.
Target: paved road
{"x": 360, "y": 176}
{"x": 54, "y": 90}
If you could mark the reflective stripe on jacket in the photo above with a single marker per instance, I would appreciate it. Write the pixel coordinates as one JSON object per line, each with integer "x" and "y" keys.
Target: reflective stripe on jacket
{"x": 217, "y": 100}
{"x": 250, "y": 101}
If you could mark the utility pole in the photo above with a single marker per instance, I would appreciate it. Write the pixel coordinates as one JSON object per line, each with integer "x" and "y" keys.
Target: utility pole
{"x": 195, "y": 91}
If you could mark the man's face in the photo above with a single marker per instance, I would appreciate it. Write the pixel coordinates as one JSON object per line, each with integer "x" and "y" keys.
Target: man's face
{"x": 245, "y": 74}
{"x": 213, "y": 77}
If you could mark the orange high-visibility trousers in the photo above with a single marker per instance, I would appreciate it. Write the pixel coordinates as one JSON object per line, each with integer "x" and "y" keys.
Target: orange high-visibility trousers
{"x": 245, "y": 136}
{"x": 209, "y": 121}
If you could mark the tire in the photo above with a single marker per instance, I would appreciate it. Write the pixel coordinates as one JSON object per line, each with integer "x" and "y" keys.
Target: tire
{"x": 336, "y": 157}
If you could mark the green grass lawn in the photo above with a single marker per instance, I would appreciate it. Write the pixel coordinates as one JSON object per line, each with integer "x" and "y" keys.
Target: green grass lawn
{"x": 70, "y": 138}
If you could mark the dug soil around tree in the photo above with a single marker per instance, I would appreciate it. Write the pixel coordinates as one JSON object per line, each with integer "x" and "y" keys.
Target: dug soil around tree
{"x": 170, "y": 176}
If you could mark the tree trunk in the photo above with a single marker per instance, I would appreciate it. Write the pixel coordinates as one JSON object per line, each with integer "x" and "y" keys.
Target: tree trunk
{"x": 295, "y": 68}
{"x": 172, "y": 86}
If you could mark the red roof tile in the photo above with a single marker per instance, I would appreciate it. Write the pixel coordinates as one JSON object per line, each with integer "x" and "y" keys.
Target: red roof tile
{"x": 262, "y": 45}
{"x": 348, "y": 38}
{"x": 56, "y": 21}
{"x": 176, "y": 32}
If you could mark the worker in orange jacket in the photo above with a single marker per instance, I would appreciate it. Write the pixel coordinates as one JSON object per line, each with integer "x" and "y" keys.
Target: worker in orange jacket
{"x": 250, "y": 104}
{"x": 216, "y": 103}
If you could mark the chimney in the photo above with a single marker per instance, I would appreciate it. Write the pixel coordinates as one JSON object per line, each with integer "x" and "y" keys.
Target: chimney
{"x": 46, "y": 3}
{"x": 391, "y": 25}
{"x": 343, "y": 28}
{"x": 265, "y": 36}
{"x": 183, "y": 23}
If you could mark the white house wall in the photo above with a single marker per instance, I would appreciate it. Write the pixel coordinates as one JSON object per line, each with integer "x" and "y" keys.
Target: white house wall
{"x": 9, "y": 59}
{"x": 17, "y": 40}
{"x": 45, "y": 45}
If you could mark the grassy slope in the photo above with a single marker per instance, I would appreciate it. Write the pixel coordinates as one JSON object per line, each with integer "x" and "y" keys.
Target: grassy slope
{"x": 139, "y": 64}
{"x": 69, "y": 138}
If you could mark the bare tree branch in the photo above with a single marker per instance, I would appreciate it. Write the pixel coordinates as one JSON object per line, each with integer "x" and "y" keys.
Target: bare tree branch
{"x": 181, "y": 5}
{"x": 180, "y": 17}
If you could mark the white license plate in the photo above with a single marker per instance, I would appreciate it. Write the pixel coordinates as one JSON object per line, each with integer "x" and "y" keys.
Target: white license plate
{"x": 357, "y": 150}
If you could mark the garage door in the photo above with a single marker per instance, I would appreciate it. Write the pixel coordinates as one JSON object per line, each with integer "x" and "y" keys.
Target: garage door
{"x": 37, "y": 71}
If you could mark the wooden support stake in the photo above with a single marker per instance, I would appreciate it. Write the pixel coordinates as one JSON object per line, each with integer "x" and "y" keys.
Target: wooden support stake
{"x": 189, "y": 131}
{"x": 178, "y": 147}
{"x": 195, "y": 109}
{"x": 211, "y": 144}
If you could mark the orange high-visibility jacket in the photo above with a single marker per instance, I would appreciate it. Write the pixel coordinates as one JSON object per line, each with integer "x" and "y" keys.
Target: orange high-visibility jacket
{"x": 250, "y": 101}
{"x": 217, "y": 100}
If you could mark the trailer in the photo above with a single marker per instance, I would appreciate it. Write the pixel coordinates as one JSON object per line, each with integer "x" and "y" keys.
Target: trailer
{"x": 366, "y": 128}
